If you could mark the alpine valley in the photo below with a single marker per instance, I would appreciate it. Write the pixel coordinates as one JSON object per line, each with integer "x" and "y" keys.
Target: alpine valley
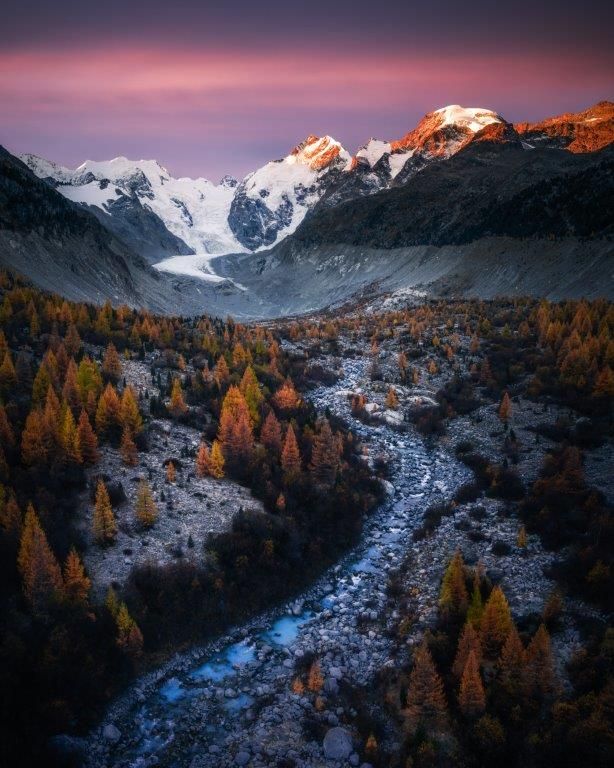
{"x": 464, "y": 204}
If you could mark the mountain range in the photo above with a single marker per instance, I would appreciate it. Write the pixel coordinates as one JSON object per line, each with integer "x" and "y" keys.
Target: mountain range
{"x": 320, "y": 223}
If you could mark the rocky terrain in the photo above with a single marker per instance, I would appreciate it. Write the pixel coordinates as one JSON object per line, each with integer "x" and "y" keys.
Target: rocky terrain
{"x": 232, "y": 703}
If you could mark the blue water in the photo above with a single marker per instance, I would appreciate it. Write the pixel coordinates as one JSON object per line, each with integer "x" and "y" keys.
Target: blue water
{"x": 242, "y": 701}
{"x": 285, "y": 630}
{"x": 172, "y": 690}
{"x": 224, "y": 663}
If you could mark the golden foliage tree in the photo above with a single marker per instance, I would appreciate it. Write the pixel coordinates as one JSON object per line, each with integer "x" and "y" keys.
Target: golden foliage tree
{"x": 270, "y": 434}
{"x": 469, "y": 642}
{"x": 325, "y": 455}
{"x": 103, "y": 522}
{"x": 202, "y": 460}
{"x": 129, "y": 409}
{"x": 426, "y": 703}
{"x": 40, "y": 571}
{"x": 88, "y": 442}
{"x": 216, "y": 461}
{"x": 129, "y": 637}
{"x": 496, "y": 622}
{"x": 505, "y": 408}
{"x": 146, "y": 509}
{"x": 290, "y": 455}
{"x": 177, "y": 405}
{"x": 76, "y": 583}
{"x": 111, "y": 364}
{"x": 453, "y": 598}
{"x": 471, "y": 697}
{"x": 127, "y": 448}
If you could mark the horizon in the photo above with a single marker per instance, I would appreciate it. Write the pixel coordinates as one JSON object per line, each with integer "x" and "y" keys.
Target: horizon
{"x": 209, "y": 91}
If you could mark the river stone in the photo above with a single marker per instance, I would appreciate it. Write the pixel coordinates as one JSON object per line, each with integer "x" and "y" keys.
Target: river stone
{"x": 337, "y": 744}
{"x": 111, "y": 733}
{"x": 242, "y": 758}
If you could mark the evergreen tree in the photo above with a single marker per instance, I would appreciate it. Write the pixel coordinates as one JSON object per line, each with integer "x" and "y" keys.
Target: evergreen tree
{"x": 426, "y": 703}
{"x": 146, "y": 509}
{"x": 496, "y": 623}
{"x": 104, "y": 526}
{"x": 471, "y": 697}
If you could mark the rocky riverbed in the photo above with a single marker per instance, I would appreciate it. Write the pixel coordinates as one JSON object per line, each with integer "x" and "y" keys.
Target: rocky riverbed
{"x": 232, "y": 703}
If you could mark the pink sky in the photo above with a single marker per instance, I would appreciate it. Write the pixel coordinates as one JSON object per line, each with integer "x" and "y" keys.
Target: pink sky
{"x": 228, "y": 111}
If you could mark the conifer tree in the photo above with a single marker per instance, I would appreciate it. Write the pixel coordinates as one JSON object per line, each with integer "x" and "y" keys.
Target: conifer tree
{"x": 453, "y": 598}
{"x": 8, "y": 375}
{"x": 87, "y": 440}
{"x": 251, "y": 392}
{"x": 521, "y": 540}
{"x": 505, "y": 408}
{"x": 130, "y": 415}
{"x": 112, "y": 602}
{"x": 146, "y": 509}
{"x": 40, "y": 571}
{"x": 469, "y": 641}
{"x": 540, "y": 664}
{"x": 325, "y": 455}
{"x": 221, "y": 374}
{"x": 496, "y": 622}
{"x": 72, "y": 340}
{"x": 129, "y": 637}
{"x": 108, "y": 413}
{"x": 426, "y": 703}
{"x": 290, "y": 456}
{"x": 69, "y": 438}
{"x": 270, "y": 434}
{"x": 177, "y": 406}
{"x": 216, "y": 461}
{"x": 202, "y": 460}
{"x": 33, "y": 446}
{"x": 70, "y": 390}
{"x": 128, "y": 450}
{"x": 286, "y": 397}
{"x": 170, "y": 472}
{"x": 111, "y": 364}
{"x": 76, "y": 583}
{"x": 10, "y": 516}
{"x": 471, "y": 698}
{"x": 511, "y": 663}
{"x": 104, "y": 526}
{"x": 7, "y": 435}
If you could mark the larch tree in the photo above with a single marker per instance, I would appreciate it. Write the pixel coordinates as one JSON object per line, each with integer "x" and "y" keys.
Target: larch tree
{"x": 476, "y": 604}
{"x": 392, "y": 401}
{"x": 76, "y": 583}
{"x": 512, "y": 662}
{"x": 290, "y": 455}
{"x": 426, "y": 702}
{"x": 177, "y": 405}
{"x": 88, "y": 442}
{"x": 111, "y": 364}
{"x": 128, "y": 450}
{"x": 286, "y": 398}
{"x": 129, "y": 637}
{"x": 108, "y": 413}
{"x": 70, "y": 390}
{"x": 496, "y": 623}
{"x": 325, "y": 455}
{"x": 103, "y": 521}
{"x": 505, "y": 408}
{"x": 521, "y": 540}
{"x": 471, "y": 697}
{"x": 216, "y": 461}
{"x": 270, "y": 434}
{"x": 34, "y": 449}
{"x": 130, "y": 415}
{"x": 540, "y": 674}
{"x": 202, "y": 460}
{"x": 250, "y": 389}
{"x": 40, "y": 571}
{"x": 469, "y": 641}
{"x": 453, "y": 598}
{"x": 315, "y": 680}
{"x": 7, "y": 435}
{"x": 69, "y": 438}
{"x": 146, "y": 509}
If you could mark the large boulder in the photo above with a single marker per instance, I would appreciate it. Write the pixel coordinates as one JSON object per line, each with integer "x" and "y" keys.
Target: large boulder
{"x": 337, "y": 744}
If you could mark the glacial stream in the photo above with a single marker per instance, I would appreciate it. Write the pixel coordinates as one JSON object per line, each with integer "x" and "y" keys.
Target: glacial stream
{"x": 218, "y": 705}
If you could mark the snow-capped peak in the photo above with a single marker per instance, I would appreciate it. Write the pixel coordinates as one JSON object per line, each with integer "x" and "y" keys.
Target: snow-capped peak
{"x": 373, "y": 150}
{"x": 473, "y": 118}
{"x": 317, "y": 153}
{"x": 121, "y": 168}
{"x": 47, "y": 169}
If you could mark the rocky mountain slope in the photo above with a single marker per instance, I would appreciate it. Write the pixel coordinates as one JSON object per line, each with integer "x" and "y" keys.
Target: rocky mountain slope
{"x": 586, "y": 131}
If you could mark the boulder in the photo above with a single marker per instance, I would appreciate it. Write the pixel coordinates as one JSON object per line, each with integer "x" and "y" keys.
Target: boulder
{"x": 111, "y": 733}
{"x": 337, "y": 744}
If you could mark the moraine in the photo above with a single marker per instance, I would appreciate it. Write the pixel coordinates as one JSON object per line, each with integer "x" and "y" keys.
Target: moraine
{"x": 230, "y": 702}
